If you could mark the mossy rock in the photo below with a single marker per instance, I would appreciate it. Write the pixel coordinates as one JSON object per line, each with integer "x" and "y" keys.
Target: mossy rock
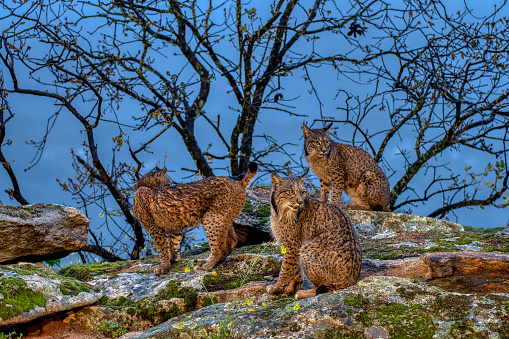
{"x": 86, "y": 272}
{"x": 28, "y": 211}
{"x": 16, "y": 297}
{"x": 418, "y": 243}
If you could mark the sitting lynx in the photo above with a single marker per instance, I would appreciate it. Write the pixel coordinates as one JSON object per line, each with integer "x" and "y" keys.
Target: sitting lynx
{"x": 215, "y": 202}
{"x": 346, "y": 168}
{"x": 319, "y": 239}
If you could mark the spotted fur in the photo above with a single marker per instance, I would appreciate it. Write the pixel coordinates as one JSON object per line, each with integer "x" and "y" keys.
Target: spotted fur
{"x": 319, "y": 238}
{"x": 214, "y": 202}
{"x": 346, "y": 168}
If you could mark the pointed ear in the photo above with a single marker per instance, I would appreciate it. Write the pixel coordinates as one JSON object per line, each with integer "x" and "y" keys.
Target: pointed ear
{"x": 306, "y": 130}
{"x": 328, "y": 127}
{"x": 303, "y": 175}
{"x": 162, "y": 172}
{"x": 275, "y": 178}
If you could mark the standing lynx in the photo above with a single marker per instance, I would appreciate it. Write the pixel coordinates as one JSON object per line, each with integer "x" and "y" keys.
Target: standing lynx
{"x": 346, "y": 168}
{"x": 214, "y": 202}
{"x": 319, "y": 239}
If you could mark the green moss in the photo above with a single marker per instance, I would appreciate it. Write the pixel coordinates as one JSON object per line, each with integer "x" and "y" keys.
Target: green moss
{"x": 449, "y": 307}
{"x": 103, "y": 301}
{"x": 265, "y": 248}
{"x": 30, "y": 269}
{"x": 410, "y": 292}
{"x": 18, "y": 297}
{"x": 259, "y": 212}
{"x": 248, "y": 207}
{"x": 150, "y": 310}
{"x": 23, "y": 212}
{"x": 275, "y": 308}
{"x": 226, "y": 282}
{"x": 175, "y": 290}
{"x": 482, "y": 230}
{"x": 355, "y": 300}
{"x": 263, "y": 212}
{"x": 391, "y": 248}
{"x": 73, "y": 287}
{"x": 340, "y": 332}
{"x": 68, "y": 286}
{"x": 111, "y": 329}
{"x": 406, "y": 321}
{"x": 86, "y": 272}
{"x": 401, "y": 321}
{"x": 464, "y": 330}
{"x": 207, "y": 301}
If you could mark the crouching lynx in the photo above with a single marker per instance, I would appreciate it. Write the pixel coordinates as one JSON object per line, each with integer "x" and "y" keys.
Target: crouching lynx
{"x": 214, "y": 202}
{"x": 346, "y": 168}
{"x": 319, "y": 239}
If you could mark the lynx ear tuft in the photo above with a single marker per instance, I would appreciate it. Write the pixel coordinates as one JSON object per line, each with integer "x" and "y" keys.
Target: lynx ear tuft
{"x": 306, "y": 130}
{"x": 303, "y": 175}
{"x": 328, "y": 127}
{"x": 275, "y": 178}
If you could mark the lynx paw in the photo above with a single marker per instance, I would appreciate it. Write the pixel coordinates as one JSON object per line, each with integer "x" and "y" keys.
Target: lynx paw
{"x": 207, "y": 266}
{"x": 274, "y": 289}
{"x": 161, "y": 270}
{"x": 290, "y": 290}
{"x": 303, "y": 294}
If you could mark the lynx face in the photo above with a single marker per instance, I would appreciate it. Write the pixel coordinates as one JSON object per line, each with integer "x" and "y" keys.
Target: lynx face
{"x": 317, "y": 142}
{"x": 289, "y": 196}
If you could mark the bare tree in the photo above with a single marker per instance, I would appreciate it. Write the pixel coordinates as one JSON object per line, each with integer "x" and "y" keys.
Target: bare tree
{"x": 147, "y": 68}
{"x": 444, "y": 90}
{"x": 14, "y": 192}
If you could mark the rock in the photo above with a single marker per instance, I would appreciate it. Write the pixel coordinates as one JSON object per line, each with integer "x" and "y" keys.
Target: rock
{"x": 253, "y": 223}
{"x": 376, "y": 307}
{"x": 468, "y": 272}
{"x": 462, "y": 272}
{"x": 383, "y": 224}
{"x": 505, "y": 230}
{"x": 29, "y": 291}
{"x": 414, "y": 284}
{"x": 41, "y": 232}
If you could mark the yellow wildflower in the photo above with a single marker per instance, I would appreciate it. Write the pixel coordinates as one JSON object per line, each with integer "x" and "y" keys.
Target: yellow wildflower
{"x": 283, "y": 250}
{"x": 296, "y": 307}
{"x": 187, "y": 269}
{"x": 214, "y": 272}
{"x": 249, "y": 302}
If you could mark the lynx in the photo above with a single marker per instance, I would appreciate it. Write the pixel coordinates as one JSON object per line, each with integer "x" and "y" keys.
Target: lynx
{"x": 214, "y": 202}
{"x": 319, "y": 239}
{"x": 346, "y": 168}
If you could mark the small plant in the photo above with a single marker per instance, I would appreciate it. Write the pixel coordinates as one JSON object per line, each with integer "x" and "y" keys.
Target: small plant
{"x": 10, "y": 336}
{"x": 52, "y": 262}
{"x": 225, "y": 322}
{"x": 112, "y": 329}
